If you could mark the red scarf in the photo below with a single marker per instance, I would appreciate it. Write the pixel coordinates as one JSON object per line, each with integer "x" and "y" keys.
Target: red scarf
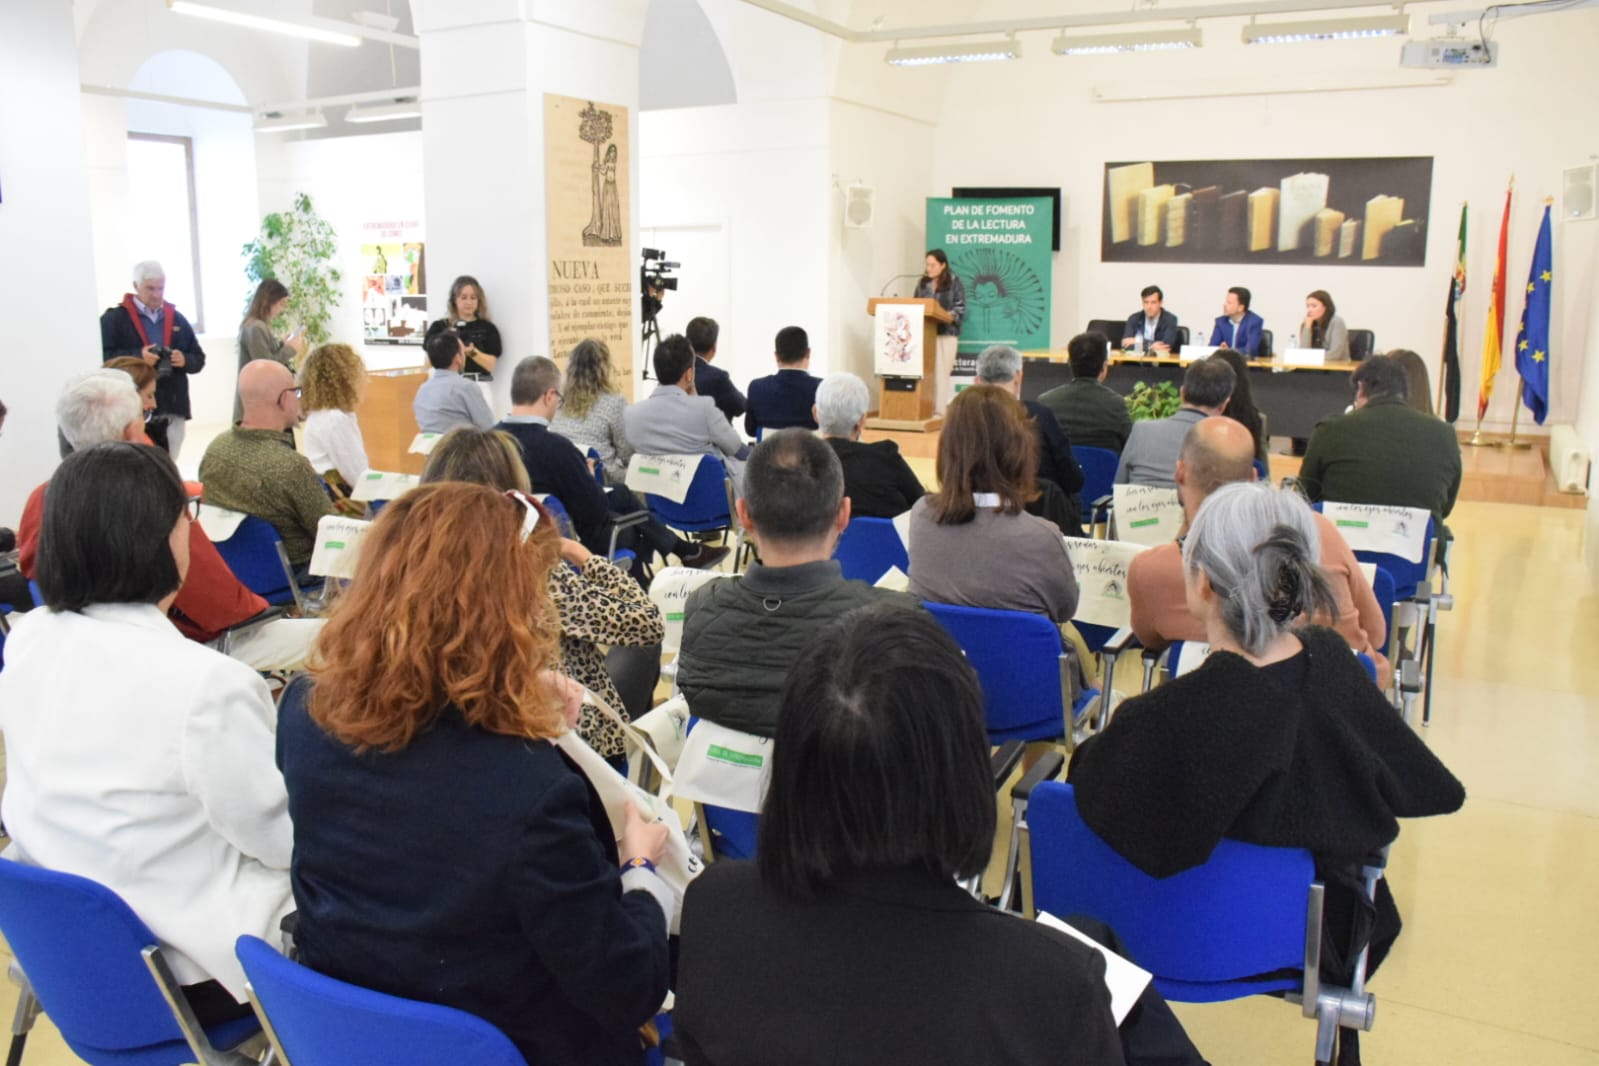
{"x": 167, "y": 311}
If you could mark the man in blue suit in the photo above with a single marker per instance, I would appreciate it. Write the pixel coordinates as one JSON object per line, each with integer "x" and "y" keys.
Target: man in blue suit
{"x": 1239, "y": 328}
{"x": 787, "y": 397}
{"x": 710, "y": 380}
{"x": 1153, "y": 330}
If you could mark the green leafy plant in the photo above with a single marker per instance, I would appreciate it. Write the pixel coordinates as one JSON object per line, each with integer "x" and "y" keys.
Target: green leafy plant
{"x": 297, "y": 247}
{"x": 1159, "y": 401}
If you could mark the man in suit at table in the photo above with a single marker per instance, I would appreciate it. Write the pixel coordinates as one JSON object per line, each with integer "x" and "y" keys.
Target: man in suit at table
{"x": 712, "y": 381}
{"x": 1238, "y": 327}
{"x": 1153, "y": 330}
{"x": 675, "y": 420}
{"x": 787, "y": 397}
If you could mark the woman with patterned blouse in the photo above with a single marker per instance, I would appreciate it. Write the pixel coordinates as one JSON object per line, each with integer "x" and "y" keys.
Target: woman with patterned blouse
{"x": 599, "y": 603}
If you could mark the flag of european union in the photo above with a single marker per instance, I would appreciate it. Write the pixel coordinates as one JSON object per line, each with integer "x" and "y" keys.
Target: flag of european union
{"x": 1532, "y": 339}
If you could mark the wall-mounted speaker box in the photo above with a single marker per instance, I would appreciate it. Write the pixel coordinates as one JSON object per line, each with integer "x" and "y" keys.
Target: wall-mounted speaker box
{"x": 1579, "y": 192}
{"x": 1568, "y": 459}
{"x": 858, "y": 206}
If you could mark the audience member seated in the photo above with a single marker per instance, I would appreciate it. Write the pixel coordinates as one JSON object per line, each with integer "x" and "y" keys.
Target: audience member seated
{"x": 822, "y": 950}
{"x": 674, "y": 420}
{"x": 597, "y": 603}
{"x": 972, "y": 542}
{"x": 1001, "y": 365}
{"x": 788, "y": 397}
{"x": 1091, "y": 414}
{"x": 1150, "y": 457}
{"x": 98, "y": 408}
{"x": 1384, "y": 451}
{"x": 254, "y": 468}
{"x": 332, "y": 382}
{"x": 1216, "y": 452}
{"x": 590, "y": 415}
{"x": 1241, "y": 403}
{"x": 1279, "y": 738}
{"x": 134, "y": 757}
{"x": 556, "y": 467}
{"x": 446, "y": 399}
{"x": 444, "y": 849}
{"x": 742, "y": 637}
{"x": 709, "y": 379}
{"x": 877, "y": 479}
{"x": 144, "y": 379}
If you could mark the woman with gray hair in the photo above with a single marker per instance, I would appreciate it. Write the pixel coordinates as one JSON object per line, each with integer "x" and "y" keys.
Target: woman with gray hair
{"x": 1279, "y": 738}
{"x": 877, "y": 479}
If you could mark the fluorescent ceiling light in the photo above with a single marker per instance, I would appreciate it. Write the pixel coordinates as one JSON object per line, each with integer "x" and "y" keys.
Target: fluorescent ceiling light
{"x": 402, "y": 108}
{"x": 1326, "y": 29}
{"x": 1132, "y": 41}
{"x": 981, "y": 52}
{"x": 275, "y": 122}
{"x": 257, "y": 22}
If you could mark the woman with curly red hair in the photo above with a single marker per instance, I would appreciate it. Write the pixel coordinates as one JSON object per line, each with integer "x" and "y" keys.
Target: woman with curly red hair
{"x": 444, "y": 849}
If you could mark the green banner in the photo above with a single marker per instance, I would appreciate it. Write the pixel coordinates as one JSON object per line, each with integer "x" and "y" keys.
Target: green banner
{"x": 1000, "y": 251}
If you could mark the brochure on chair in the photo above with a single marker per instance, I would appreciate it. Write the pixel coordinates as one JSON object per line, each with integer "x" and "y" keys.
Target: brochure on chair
{"x": 1125, "y": 980}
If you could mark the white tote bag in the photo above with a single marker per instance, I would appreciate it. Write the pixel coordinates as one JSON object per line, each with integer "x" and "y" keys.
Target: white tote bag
{"x": 724, "y": 768}
{"x": 677, "y": 865}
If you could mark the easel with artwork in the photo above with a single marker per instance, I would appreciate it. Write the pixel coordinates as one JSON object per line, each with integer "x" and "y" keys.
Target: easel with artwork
{"x": 905, "y": 355}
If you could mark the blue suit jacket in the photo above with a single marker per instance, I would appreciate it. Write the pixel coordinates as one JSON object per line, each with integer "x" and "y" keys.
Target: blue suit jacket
{"x": 1248, "y": 340}
{"x": 713, "y": 381}
{"x": 782, "y": 400}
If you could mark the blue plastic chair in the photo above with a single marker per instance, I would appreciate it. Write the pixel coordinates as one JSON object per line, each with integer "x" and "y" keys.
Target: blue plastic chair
{"x": 1262, "y": 471}
{"x": 255, "y": 555}
{"x": 558, "y": 511}
{"x": 1099, "y": 474}
{"x": 869, "y": 548}
{"x": 724, "y": 832}
{"x": 1022, "y": 667}
{"x": 708, "y": 505}
{"x": 314, "y": 1020}
{"x": 100, "y": 974}
{"x": 33, "y": 590}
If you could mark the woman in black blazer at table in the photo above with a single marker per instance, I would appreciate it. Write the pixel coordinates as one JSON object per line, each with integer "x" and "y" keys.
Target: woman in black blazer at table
{"x": 847, "y": 940}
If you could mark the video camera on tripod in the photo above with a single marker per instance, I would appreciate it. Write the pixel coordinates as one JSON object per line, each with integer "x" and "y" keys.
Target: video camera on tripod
{"x": 655, "y": 278}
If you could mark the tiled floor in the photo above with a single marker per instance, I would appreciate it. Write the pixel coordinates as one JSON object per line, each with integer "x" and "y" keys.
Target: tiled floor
{"x": 1497, "y": 964}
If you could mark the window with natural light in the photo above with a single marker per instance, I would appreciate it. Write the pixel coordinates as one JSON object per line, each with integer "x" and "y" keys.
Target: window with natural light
{"x": 161, "y": 215}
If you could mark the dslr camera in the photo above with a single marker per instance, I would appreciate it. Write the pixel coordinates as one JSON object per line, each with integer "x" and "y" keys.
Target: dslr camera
{"x": 163, "y": 361}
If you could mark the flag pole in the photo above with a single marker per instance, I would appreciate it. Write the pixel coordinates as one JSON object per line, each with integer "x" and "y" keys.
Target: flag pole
{"x": 1521, "y": 384}
{"x": 1476, "y": 440}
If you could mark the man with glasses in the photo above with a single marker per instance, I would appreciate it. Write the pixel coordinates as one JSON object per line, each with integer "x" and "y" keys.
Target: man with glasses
{"x": 446, "y": 399}
{"x": 555, "y": 466}
{"x": 254, "y": 468}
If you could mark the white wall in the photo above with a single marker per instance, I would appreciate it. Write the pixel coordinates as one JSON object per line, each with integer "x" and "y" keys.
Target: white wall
{"x": 1032, "y": 122}
{"x": 44, "y": 228}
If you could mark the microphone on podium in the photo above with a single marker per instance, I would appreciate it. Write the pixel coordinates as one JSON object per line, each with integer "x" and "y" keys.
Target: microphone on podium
{"x": 897, "y": 277}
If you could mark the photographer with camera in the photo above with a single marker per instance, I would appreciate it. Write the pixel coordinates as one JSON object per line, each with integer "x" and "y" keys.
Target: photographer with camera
{"x": 144, "y": 325}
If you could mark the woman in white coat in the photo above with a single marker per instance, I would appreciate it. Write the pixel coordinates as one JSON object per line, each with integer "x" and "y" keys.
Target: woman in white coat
{"x": 135, "y": 757}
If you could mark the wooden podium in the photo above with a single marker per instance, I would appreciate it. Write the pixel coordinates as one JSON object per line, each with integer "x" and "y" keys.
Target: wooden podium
{"x": 388, "y": 424}
{"x": 905, "y": 403}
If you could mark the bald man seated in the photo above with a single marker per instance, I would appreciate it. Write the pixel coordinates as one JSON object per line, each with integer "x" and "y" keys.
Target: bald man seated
{"x": 254, "y": 468}
{"x": 1217, "y": 452}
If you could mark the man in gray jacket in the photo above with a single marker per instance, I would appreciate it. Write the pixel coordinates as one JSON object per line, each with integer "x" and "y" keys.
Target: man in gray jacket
{"x": 1150, "y": 457}
{"x": 741, "y": 637}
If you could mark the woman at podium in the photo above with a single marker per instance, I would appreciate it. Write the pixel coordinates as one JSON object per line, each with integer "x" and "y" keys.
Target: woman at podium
{"x": 940, "y": 283}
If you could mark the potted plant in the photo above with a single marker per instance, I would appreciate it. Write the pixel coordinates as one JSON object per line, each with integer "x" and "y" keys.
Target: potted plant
{"x": 297, "y": 247}
{"x": 1160, "y": 401}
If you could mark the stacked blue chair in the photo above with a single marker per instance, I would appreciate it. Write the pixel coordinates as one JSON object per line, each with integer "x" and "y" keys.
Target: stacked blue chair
{"x": 255, "y": 555}
{"x": 100, "y": 974}
{"x": 314, "y": 1020}
{"x": 869, "y": 548}
{"x": 1247, "y": 922}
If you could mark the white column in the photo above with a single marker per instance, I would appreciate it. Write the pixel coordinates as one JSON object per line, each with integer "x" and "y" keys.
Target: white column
{"x": 486, "y": 65}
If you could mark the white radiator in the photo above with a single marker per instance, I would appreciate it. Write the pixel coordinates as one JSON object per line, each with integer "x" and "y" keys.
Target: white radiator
{"x": 1568, "y": 459}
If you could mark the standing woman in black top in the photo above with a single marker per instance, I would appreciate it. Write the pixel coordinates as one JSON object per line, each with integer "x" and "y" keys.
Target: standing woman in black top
{"x": 469, "y": 316}
{"x": 941, "y": 284}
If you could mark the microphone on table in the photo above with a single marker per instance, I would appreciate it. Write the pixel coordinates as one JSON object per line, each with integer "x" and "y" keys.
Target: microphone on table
{"x": 897, "y": 277}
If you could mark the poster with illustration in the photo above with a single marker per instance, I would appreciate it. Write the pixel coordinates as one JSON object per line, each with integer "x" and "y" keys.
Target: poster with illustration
{"x": 1000, "y": 250}
{"x": 897, "y": 341}
{"x": 394, "y": 303}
